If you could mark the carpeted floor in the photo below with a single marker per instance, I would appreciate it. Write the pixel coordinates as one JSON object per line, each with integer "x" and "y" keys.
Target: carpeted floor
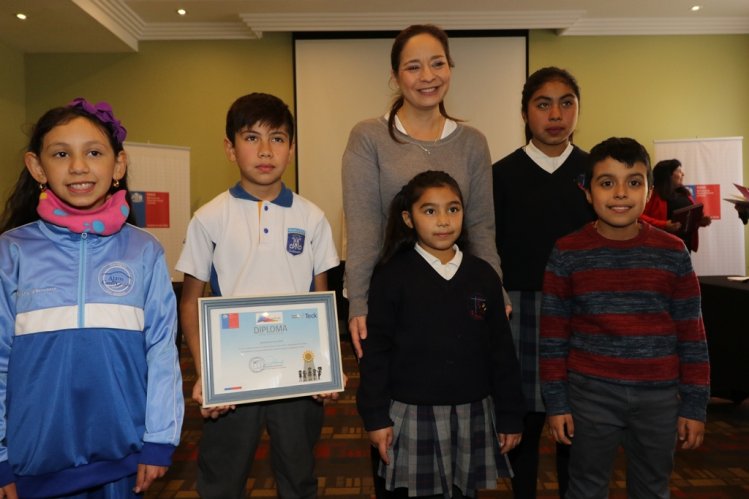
{"x": 718, "y": 470}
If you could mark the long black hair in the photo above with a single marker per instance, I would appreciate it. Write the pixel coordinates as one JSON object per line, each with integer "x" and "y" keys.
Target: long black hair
{"x": 662, "y": 182}
{"x": 400, "y": 237}
{"x": 20, "y": 208}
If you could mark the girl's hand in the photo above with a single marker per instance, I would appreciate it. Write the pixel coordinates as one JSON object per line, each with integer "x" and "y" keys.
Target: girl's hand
{"x": 508, "y": 441}
{"x": 147, "y": 473}
{"x": 705, "y": 221}
{"x": 562, "y": 428}
{"x": 357, "y": 326}
{"x": 382, "y": 440}
{"x": 9, "y": 492}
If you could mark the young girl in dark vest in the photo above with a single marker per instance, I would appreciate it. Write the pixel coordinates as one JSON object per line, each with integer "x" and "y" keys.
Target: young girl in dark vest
{"x": 440, "y": 384}
{"x": 538, "y": 199}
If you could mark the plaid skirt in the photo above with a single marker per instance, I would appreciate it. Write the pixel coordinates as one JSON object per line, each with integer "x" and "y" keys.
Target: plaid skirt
{"x": 438, "y": 446}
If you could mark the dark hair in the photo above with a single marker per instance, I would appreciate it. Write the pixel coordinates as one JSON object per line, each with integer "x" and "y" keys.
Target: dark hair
{"x": 400, "y": 237}
{"x": 662, "y": 173}
{"x": 260, "y": 108}
{"x": 538, "y": 80}
{"x": 622, "y": 149}
{"x": 20, "y": 208}
{"x": 395, "y": 60}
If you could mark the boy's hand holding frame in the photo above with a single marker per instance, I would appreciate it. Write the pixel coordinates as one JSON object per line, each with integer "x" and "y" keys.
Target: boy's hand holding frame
{"x": 211, "y": 412}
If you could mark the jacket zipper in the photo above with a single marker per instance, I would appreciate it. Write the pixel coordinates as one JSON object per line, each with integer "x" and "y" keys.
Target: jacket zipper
{"x": 82, "y": 281}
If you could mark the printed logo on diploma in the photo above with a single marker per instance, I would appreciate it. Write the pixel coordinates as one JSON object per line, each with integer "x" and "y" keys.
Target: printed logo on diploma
{"x": 309, "y": 372}
{"x": 270, "y": 322}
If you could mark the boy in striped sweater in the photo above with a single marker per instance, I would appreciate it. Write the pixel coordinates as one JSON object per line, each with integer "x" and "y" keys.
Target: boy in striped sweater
{"x": 623, "y": 352}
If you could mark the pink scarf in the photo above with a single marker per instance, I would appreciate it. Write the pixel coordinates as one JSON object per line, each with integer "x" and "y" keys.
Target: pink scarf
{"x": 104, "y": 220}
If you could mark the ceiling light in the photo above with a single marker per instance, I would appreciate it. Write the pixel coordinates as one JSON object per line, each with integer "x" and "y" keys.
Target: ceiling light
{"x": 21, "y": 16}
{"x": 695, "y": 8}
{"x": 181, "y": 12}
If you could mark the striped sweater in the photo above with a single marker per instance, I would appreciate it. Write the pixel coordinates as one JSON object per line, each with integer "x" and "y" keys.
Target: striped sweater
{"x": 625, "y": 312}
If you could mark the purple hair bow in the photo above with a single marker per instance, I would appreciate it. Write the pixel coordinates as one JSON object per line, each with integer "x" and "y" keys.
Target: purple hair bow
{"x": 103, "y": 111}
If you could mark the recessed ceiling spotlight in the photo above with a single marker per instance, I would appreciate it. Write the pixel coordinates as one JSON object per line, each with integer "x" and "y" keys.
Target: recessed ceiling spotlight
{"x": 695, "y": 8}
{"x": 21, "y": 16}
{"x": 181, "y": 12}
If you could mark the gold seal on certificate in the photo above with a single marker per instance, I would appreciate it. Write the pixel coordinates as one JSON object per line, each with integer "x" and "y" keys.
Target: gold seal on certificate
{"x": 309, "y": 371}
{"x": 269, "y": 347}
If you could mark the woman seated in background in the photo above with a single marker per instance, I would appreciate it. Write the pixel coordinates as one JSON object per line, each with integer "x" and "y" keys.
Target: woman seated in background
{"x": 670, "y": 194}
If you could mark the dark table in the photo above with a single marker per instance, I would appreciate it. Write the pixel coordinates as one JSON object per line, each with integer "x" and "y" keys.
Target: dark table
{"x": 725, "y": 310}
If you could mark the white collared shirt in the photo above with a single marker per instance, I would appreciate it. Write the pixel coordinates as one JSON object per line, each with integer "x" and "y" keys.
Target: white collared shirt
{"x": 547, "y": 162}
{"x": 446, "y": 270}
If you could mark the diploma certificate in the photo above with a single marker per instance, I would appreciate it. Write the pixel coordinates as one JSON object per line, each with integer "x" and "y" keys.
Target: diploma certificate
{"x": 269, "y": 347}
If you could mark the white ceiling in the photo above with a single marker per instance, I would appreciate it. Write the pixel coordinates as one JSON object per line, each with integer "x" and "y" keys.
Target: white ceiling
{"x": 118, "y": 25}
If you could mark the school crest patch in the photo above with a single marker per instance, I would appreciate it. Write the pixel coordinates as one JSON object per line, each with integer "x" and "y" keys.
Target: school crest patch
{"x": 117, "y": 279}
{"x": 477, "y": 306}
{"x": 295, "y": 241}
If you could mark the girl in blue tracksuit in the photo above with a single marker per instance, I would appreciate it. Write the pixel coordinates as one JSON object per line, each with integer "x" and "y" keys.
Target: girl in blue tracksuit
{"x": 90, "y": 388}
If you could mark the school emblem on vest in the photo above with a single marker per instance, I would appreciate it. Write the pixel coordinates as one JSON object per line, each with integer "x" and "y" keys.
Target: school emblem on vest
{"x": 295, "y": 241}
{"x": 477, "y": 306}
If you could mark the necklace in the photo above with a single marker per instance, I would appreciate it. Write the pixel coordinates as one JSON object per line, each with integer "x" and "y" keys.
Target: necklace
{"x": 423, "y": 148}
{"x": 417, "y": 142}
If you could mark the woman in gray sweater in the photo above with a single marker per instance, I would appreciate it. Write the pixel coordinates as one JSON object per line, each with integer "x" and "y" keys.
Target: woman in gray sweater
{"x": 384, "y": 153}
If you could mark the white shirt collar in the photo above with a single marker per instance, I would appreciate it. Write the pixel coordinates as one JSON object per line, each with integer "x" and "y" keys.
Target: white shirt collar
{"x": 547, "y": 162}
{"x": 446, "y": 270}
{"x": 449, "y": 127}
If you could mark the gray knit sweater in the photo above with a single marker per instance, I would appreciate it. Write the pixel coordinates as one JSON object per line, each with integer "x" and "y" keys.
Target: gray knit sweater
{"x": 375, "y": 167}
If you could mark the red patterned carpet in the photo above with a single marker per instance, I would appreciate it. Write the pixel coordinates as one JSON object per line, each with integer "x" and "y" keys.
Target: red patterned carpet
{"x": 719, "y": 470}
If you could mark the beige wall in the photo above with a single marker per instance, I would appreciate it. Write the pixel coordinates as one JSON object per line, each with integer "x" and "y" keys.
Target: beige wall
{"x": 12, "y": 111}
{"x": 654, "y": 87}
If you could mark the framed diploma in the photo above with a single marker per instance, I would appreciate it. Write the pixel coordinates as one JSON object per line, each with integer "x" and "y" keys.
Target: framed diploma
{"x": 269, "y": 347}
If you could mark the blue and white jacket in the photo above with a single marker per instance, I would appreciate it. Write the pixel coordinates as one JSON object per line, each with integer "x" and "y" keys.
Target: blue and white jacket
{"x": 90, "y": 384}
